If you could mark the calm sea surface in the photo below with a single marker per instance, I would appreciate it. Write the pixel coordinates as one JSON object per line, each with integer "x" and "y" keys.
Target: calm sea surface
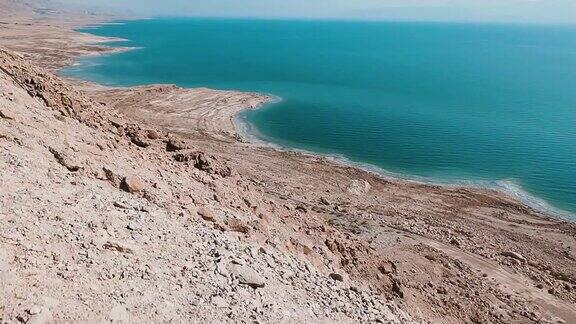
{"x": 487, "y": 104}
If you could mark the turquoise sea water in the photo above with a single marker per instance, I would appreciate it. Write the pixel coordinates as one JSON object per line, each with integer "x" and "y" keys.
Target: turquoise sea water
{"x": 489, "y": 104}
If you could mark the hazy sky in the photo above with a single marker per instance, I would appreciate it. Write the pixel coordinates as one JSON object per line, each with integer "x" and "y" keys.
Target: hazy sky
{"x": 547, "y": 11}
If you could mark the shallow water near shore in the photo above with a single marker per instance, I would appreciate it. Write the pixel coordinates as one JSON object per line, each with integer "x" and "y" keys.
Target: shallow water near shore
{"x": 457, "y": 103}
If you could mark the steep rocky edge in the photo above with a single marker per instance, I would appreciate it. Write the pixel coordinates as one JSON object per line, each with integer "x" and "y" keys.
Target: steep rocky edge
{"x": 106, "y": 213}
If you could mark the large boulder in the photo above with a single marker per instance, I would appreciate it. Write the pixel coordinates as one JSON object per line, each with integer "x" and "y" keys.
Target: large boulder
{"x": 132, "y": 184}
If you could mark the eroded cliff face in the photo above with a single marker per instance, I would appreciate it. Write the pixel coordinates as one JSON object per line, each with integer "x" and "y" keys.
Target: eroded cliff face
{"x": 141, "y": 204}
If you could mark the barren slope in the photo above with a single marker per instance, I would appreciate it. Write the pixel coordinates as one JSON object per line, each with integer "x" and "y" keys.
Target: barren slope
{"x": 78, "y": 245}
{"x": 106, "y": 213}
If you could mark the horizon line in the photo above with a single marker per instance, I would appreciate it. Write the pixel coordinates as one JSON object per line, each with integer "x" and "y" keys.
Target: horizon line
{"x": 358, "y": 19}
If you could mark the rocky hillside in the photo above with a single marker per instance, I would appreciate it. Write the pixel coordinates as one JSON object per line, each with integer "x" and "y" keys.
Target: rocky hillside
{"x": 145, "y": 205}
{"x": 101, "y": 218}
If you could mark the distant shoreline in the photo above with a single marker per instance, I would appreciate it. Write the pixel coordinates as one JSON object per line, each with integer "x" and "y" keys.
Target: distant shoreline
{"x": 248, "y": 134}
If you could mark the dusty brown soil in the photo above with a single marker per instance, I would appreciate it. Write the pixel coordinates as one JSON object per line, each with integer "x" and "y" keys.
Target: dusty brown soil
{"x": 144, "y": 205}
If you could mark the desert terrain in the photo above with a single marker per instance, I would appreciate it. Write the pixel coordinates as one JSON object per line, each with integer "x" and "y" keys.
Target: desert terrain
{"x": 145, "y": 204}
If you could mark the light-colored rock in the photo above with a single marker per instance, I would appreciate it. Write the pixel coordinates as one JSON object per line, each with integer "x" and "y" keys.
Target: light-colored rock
{"x": 207, "y": 214}
{"x": 246, "y": 275}
{"x": 133, "y": 226}
{"x": 359, "y": 187}
{"x": 219, "y": 302}
{"x": 116, "y": 121}
{"x": 39, "y": 315}
{"x": 119, "y": 315}
{"x": 66, "y": 158}
{"x": 132, "y": 184}
{"x": 514, "y": 255}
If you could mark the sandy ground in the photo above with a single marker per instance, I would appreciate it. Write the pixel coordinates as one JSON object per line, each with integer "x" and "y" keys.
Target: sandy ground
{"x": 141, "y": 204}
{"x": 194, "y": 112}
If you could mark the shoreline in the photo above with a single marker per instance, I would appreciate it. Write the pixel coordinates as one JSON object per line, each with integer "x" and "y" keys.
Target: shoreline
{"x": 300, "y": 220}
{"x": 503, "y": 186}
{"x": 506, "y": 187}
